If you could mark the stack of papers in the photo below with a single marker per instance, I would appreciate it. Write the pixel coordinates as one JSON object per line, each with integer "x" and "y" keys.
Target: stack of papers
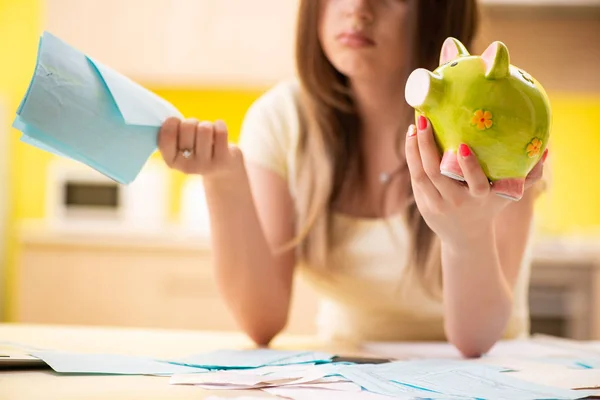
{"x": 301, "y": 376}
{"x": 452, "y": 379}
{"x": 235, "y": 359}
{"x": 67, "y": 362}
{"x": 78, "y": 108}
{"x": 419, "y": 379}
{"x": 314, "y": 375}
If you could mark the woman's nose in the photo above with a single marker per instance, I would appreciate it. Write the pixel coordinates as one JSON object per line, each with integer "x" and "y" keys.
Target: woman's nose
{"x": 360, "y": 9}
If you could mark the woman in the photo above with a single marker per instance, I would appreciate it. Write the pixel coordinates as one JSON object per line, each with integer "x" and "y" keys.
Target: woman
{"x": 328, "y": 180}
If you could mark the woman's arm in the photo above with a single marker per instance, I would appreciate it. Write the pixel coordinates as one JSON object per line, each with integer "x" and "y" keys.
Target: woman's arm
{"x": 483, "y": 239}
{"x": 479, "y": 278}
{"x": 255, "y": 282}
{"x": 250, "y": 214}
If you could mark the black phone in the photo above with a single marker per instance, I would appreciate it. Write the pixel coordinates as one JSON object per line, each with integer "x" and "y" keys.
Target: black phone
{"x": 361, "y": 360}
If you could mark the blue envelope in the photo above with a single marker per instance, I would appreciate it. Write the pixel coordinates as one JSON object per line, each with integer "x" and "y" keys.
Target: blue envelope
{"x": 76, "y": 107}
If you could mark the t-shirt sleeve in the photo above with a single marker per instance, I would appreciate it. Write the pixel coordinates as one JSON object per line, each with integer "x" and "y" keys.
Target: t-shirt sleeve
{"x": 267, "y": 130}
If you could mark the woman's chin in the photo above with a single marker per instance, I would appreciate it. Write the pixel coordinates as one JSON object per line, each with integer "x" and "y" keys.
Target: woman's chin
{"x": 359, "y": 70}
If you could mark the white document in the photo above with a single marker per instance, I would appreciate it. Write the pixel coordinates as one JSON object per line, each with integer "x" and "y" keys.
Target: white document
{"x": 342, "y": 386}
{"x": 324, "y": 394}
{"x": 438, "y": 350}
{"x": 259, "y": 378}
{"x": 541, "y": 360}
{"x": 561, "y": 377}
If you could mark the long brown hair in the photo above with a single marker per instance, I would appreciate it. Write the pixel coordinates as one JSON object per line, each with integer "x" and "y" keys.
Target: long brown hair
{"x": 328, "y": 150}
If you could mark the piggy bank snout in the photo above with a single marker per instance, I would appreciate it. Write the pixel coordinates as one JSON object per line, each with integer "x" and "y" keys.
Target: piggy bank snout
{"x": 419, "y": 87}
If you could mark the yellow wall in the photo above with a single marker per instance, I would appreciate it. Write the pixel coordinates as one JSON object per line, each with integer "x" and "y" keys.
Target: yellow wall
{"x": 19, "y": 23}
{"x": 572, "y": 204}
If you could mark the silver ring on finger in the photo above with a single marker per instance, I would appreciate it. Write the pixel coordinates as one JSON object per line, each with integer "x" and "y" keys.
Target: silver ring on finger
{"x": 186, "y": 153}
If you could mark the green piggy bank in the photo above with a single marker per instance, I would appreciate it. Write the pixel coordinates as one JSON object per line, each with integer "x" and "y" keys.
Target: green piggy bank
{"x": 495, "y": 108}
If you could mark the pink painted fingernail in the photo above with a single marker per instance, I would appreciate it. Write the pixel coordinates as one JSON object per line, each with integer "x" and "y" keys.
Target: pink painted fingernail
{"x": 464, "y": 151}
{"x": 545, "y": 155}
{"x": 422, "y": 121}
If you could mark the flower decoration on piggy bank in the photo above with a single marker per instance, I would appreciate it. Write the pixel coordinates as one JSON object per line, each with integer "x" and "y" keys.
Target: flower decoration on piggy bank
{"x": 495, "y": 108}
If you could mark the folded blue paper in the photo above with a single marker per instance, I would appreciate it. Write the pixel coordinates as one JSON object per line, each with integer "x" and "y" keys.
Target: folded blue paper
{"x": 240, "y": 359}
{"x": 76, "y": 107}
{"x": 112, "y": 364}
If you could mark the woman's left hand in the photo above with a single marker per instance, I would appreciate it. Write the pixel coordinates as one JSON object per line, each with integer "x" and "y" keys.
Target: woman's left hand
{"x": 456, "y": 212}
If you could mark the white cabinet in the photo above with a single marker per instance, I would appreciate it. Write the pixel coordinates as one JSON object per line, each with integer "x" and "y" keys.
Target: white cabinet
{"x": 207, "y": 42}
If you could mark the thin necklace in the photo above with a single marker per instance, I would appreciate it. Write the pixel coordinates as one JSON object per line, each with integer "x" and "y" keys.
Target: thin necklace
{"x": 386, "y": 177}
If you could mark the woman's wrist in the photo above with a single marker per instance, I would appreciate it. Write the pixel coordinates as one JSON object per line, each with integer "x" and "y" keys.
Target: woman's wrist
{"x": 226, "y": 179}
{"x": 481, "y": 238}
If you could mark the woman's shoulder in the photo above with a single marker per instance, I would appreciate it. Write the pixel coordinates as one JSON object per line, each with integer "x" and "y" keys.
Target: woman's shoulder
{"x": 271, "y": 127}
{"x": 279, "y": 101}
{"x": 275, "y": 110}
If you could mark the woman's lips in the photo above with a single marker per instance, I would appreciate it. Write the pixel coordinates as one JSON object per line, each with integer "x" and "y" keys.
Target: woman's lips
{"x": 355, "y": 40}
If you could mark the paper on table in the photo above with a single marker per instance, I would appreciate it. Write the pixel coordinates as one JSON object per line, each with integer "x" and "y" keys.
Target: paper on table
{"x": 118, "y": 364}
{"x": 511, "y": 364}
{"x": 368, "y": 379}
{"x": 447, "y": 378}
{"x": 320, "y": 384}
{"x": 382, "y": 378}
{"x": 221, "y": 378}
{"x": 233, "y": 359}
{"x": 76, "y": 107}
{"x": 411, "y": 350}
{"x": 578, "y": 347}
{"x": 439, "y": 350}
{"x": 419, "y": 368}
{"x": 269, "y": 369}
{"x": 294, "y": 357}
{"x": 564, "y": 378}
{"x": 485, "y": 383}
{"x": 528, "y": 349}
{"x": 325, "y": 394}
{"x": 330, "y": 383}
{"x": 243, "y": 379}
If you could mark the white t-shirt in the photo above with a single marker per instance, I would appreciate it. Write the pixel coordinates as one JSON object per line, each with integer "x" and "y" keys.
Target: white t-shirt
{"x": 361, "y": 296}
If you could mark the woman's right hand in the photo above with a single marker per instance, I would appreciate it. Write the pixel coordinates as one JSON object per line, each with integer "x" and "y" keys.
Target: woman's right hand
{"x": 202, "y": 148}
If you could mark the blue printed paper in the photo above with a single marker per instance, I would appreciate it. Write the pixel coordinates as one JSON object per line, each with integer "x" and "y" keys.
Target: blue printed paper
{"x": 450, "y": 379}
{"x": 76, "y": 107}
{"x": 255, "y": 358}
{"x": 113, "y": 364}
{"x": 368, "y": 379}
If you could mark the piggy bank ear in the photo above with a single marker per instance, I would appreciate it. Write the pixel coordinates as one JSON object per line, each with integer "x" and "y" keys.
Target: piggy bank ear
{"x": 497, "y": 61}
{"x": 451, "y": 49}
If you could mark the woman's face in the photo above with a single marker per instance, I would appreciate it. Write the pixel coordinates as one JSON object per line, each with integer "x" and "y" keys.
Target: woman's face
{"x": 364, "y": 38}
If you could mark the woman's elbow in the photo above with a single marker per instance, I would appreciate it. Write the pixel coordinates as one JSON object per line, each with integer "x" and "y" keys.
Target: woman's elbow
{"x": 471, "y": 345}
{"x": 262, "y": 333}
{"x": 471, "y": 349}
